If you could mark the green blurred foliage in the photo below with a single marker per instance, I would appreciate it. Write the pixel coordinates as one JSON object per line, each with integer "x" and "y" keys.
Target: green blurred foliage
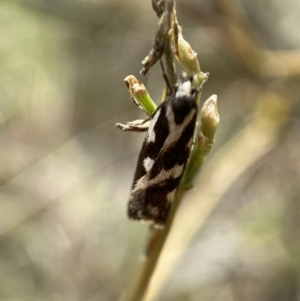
{"x": 66, "y": 170}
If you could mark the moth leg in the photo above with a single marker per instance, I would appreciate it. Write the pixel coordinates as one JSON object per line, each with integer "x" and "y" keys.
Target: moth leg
{"x": 196, "y": 134}
{"x": 165, "y": 77}
{"x": 139, "y": 125}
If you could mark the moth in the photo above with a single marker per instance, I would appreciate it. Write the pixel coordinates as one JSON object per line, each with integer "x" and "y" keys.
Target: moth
{"x": 164, "y": 154}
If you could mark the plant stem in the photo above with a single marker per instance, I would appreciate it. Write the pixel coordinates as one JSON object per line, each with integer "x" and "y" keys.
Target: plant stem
{"x": 157, "y": 241}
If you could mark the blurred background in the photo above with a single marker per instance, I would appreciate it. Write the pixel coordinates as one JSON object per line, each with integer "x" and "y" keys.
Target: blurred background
{"x": 66, "y": 170}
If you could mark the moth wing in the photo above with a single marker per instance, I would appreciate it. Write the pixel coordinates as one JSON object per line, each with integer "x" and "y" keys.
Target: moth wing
{"x": 155, "y": 139}
{"x": 162, "y": 160}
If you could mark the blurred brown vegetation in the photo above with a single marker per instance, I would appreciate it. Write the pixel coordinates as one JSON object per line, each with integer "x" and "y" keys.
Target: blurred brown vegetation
{"x": 66, "y": 170}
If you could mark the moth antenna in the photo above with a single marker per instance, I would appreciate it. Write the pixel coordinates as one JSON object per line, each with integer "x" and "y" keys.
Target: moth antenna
{"x": 164, "y": 74}
{"x": 147, "y": 119}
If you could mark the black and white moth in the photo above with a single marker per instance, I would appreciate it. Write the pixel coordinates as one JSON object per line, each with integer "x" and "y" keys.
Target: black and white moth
{"x": 164, "y": 155}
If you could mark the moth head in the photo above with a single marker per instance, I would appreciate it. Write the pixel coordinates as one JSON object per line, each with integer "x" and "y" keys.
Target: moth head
{"x": 184, "y": 87}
